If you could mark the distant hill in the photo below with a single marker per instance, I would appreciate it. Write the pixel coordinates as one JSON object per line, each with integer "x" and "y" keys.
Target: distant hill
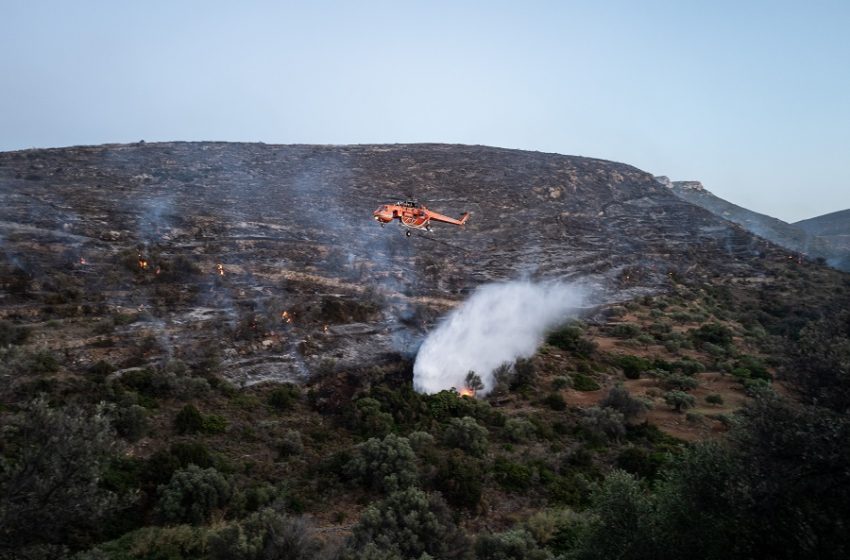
{"x": 826, "y": 236}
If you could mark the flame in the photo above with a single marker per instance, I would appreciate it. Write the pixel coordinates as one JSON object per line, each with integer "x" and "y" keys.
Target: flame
{"x": 220, "y": 269}
{"x": 286, "y": 316}
{"x": 157, "y": 271}
{"x": 325, "y": 329}
{"x": 83, "y": 261}
{"x": 143, "y": 264}
{"x": 467, "y": 392}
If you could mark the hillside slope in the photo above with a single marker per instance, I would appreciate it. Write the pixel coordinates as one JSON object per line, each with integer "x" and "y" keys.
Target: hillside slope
{"x": 212, "y": 242}
{"x": 802, "y": 240}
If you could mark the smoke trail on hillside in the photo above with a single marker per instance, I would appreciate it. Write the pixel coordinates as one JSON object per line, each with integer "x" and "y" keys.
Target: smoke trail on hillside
{"x": 499, "y": 323}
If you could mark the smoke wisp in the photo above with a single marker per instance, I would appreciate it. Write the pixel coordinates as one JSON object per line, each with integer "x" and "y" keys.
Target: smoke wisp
{"x": 499, "y": 323}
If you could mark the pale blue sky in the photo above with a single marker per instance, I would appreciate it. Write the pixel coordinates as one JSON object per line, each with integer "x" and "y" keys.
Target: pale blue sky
{"x": 752, "y": 98}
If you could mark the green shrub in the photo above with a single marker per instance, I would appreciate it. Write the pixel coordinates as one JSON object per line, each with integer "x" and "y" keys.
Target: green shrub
{"x": 712, "y": 333}
{"x": 560, "y": 382}
{"x": 555, "y": 401}
{"x": 370, "y": 419}
{"x": 714, "y": 399}
{"x": 571, "y": 339}
{"x": 679, "y": 400}
{"x": 640, "y": 462}
{"x": 189, "y": 420}
{"x": 679, "y": 382}
{"x": 519, "y": 430}
{"x": 512, "y": 476}
{"x": 625, "y": 330}
{"x": 192, "y": 495}
{"x": 459, "y": 478}
{"x": 131, "y": 422}
{"x": 214, "y": 424}
{"x": 467, "y": 434}
{"x": 407, "y": 524}
{"x": 290, "y": 444}
{"x": 284, "y": 398}
{"x": 190, "y": 453}
{"x": 515, "y": 544}
{"x": 385, "y": 465}
{"x": 582, "y": 382}
{"x": 619, "y": 399}
{"x": 264, "y": 535}
{"x": 633, "y": 366}
{"x": 603, "y": 423}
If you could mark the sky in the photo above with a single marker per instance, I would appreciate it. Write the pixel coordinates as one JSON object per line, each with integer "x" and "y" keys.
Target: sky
{"x": 752, "y": 98}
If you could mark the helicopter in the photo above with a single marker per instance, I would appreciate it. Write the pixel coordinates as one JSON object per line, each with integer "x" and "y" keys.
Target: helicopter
{"x": 413, "y": 215}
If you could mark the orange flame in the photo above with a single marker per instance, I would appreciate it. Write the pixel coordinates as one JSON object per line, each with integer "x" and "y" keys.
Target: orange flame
{"x": 286, "y": 316}
{"x": 467, "y": 392}
{"x": 143, "y": 264}
{"x": 220, "y": 269}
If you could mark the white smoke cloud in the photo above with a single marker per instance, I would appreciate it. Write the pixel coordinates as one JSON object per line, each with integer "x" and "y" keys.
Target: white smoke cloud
{"x": 498, "y": 323}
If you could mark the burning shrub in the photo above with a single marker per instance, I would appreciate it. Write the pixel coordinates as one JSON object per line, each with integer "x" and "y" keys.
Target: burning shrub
{"x": 467, "y": 434}
{"x": 407, "y": 524}
{"x": 385, "y": 465}
{"x": 192, "y": 495}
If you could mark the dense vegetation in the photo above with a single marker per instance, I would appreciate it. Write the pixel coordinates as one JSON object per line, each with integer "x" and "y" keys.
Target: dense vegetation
{"x": 614, "y": 441}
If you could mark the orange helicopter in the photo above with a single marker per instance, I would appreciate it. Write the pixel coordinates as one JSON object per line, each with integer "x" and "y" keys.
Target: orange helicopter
{"x": 413, "y": 215}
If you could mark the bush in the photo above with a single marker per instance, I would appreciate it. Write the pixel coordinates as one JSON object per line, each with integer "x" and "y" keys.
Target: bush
{"x": 555, "y": 401}
{"x": 189, "y": 420}
{"x": 264, "y": 535}
{"x": 459, "y": 479}
{"x": 370, "y": 419}
{"x": 515, "y": 544}
{"x": 215, "y": 424}
{"x": 679, "y": 400}
{"x": 192, "y": 495}
{"x": 131, "y": 422}
{"x": 50, "y": 478}
{"x": 519, "y": 430}
{"x": 571, "y": 339}
{"x": 619, "y": 399}
{"x": 603, "y": 423}
{"x": 467, "y": 434}
{"x": 407, "y": 524}
{"x": 712, "y": 333}
{"x": 640, "y": 462}
{"x": 385, "y": 465}
{"x": 284, "y": 398}
{"x": 714, "y": 399}
{"x": 560, "y": 382}
{"x": 525, "y": 374}
{"x": 625, "y": 330}
{"x": 290, "y": 444}
{"x": 582, "y": 382}
{"x": 160, "y": 543}
{"x": 512, "y": 476}
{"x": 677, "y": 382}
{"x": 633, "y": 366}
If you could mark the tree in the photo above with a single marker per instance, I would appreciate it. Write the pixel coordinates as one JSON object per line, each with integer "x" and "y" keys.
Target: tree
{"x": 407, "y": 524}
{"x": 515, "y": 544}
{"x": 460, "y": 478}
{"x": 603, "y": 422}
{"x": 473, "y": 382}
{"x": 679, "y": 400}
{"x": 50, "y": 474}
{"x": 467, "y": 434}
{"x": 385, "y": 465}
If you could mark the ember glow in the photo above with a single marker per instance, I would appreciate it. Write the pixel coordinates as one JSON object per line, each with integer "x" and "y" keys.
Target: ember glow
{"x": 467, "y": 392}
{"x": 83, "y": 261}
{"x": 143, "y": 264}
{"x": 220, "y": 269}
{"x": 286, "y": 316}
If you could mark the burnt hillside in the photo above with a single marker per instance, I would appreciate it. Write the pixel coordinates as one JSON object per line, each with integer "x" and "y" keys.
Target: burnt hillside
{"x": 196, "y": 249}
